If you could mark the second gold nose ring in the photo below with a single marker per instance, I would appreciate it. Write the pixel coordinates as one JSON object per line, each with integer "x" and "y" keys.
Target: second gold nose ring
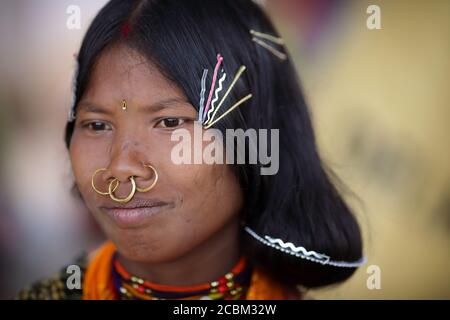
{"x": 114, "y": 184}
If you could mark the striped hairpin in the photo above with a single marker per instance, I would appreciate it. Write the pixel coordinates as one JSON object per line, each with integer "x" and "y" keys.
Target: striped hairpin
{"x": 71, "y": 115}
{"x": 207, "y": 112}
{"x": 258, "y": 38}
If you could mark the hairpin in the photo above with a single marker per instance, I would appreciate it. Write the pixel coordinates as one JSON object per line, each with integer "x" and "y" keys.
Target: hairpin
{"x": 71, "y": 115}
{"x": 257, "y": 36}
{"x": 301, "y": 252}
{"x": 216, "y": 69}
{"x": 202, "y": 96}
{"x": 216, "y": 97}
{"x": 207, "y": 113}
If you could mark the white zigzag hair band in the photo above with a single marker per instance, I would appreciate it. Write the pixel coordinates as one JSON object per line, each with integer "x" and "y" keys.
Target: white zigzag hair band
{"x": 301, "y": 252}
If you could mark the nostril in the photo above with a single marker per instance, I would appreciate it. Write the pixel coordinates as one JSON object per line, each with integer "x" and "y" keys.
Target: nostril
{"x": 122, "y": 190}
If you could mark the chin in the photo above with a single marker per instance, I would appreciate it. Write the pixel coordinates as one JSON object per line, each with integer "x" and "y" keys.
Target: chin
{"x": 139, "y": 249}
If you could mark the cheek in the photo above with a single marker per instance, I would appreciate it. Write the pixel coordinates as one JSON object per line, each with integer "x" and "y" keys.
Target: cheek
{"x": 209, "y": 194}
{"x": 85, "y": 159}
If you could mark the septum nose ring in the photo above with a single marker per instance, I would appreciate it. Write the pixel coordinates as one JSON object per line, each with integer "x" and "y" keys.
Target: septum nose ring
{"x": 114, "y": 184}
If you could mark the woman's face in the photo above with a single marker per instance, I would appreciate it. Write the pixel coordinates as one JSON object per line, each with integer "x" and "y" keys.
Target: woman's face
{"x": 199, "y": 200}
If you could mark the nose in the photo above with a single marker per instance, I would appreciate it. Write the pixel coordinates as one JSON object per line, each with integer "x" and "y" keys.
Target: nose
{"x": 128, "y": 159}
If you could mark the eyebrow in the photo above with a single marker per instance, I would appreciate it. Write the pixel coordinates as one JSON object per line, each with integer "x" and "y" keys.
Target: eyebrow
{"x": 160, "y": 105}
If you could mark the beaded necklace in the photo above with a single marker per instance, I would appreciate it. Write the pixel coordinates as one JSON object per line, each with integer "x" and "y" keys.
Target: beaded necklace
{"x": 232, "y": 286}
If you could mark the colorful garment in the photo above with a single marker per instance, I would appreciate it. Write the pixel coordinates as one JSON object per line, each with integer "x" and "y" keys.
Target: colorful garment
{"x": 103, "y": 278}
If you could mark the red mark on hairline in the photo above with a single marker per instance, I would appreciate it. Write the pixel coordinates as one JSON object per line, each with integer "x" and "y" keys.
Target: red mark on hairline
{"x": 126, "y": 29}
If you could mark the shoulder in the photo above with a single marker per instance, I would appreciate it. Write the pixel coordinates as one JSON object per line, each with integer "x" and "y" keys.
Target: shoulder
{"x": 55, "y": 287}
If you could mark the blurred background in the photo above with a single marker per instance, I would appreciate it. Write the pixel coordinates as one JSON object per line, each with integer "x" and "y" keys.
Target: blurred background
{"x": 380, "y": 104}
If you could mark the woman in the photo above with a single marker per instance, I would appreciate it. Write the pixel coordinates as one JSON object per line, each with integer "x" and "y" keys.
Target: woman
{"x": 199, "y": 230}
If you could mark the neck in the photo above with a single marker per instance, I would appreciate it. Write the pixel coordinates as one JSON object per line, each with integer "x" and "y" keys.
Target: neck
{"x": 210, "y": 260}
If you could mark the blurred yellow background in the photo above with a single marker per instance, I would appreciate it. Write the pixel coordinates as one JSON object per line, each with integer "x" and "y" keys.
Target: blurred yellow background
{"x": 380, "y": 105}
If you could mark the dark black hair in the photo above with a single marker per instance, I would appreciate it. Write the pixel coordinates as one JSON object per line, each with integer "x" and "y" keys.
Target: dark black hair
{"x": 299, "y": 204}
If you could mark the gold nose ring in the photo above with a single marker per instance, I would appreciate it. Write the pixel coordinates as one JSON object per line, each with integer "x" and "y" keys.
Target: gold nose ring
{"x": 114, "y": 184}
{"x": 97, "y": 190}
{"x": 127, "y": 198}
{"x": 154, "y": 180}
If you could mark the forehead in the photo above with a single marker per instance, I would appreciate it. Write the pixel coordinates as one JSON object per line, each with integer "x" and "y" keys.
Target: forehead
{"x": 123, "y": 73}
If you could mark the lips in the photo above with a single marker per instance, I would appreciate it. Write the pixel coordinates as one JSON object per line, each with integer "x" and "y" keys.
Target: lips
{"x": 137, "y": 203}
{"x": 136, "y": 212}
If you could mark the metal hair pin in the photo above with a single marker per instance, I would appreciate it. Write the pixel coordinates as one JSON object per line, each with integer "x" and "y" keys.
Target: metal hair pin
{"x": 258, "y": 38}
{"x": 207, "y": 113}
{"x": 71, "y": 114}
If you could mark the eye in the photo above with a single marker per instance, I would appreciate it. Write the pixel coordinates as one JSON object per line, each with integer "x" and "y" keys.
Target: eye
{"x": 170, "y": 122}
{"x": 96, "y": 126}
